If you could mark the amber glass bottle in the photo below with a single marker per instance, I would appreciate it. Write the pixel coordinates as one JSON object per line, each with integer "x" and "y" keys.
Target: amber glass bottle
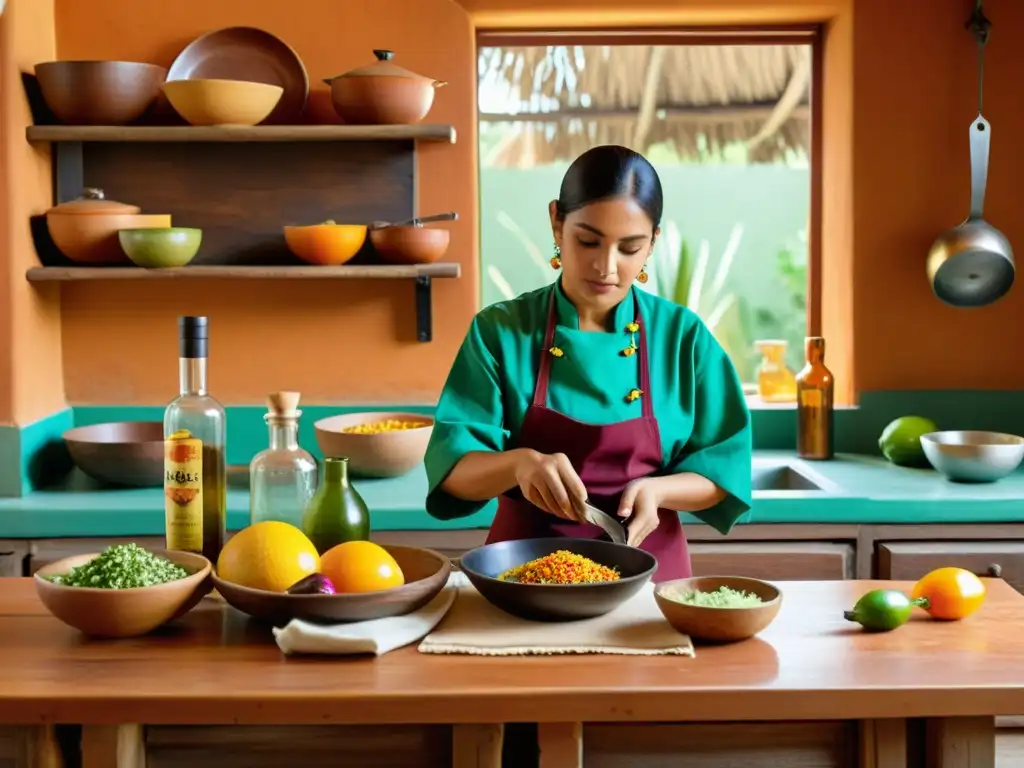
{"x": 814, "y": 394}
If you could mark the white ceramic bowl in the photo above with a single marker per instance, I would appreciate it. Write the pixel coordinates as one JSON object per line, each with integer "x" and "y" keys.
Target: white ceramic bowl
{"x": 971, "y": 456}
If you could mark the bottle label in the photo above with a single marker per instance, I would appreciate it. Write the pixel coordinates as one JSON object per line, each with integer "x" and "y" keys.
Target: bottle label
{"x": 811, "y": 398}
{"x": 183, "y": 500}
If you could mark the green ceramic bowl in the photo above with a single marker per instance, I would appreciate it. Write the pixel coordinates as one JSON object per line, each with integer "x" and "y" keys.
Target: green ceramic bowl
{"x": 161, "y": 247}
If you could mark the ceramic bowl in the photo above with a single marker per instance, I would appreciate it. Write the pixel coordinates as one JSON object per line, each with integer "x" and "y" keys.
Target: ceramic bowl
{"x": 161, "y": 247}
{"x": 557, "y": 602}
{"x": 383, "y": 454}
{"x": 973, "y": 456}
{"x": 99, "y": 92}
{"x": 123, "y": 612}
{"x": 121, "y": 452}
{"x": 426, "y": 572}
{"x": 410, "y": 245}
{"x": 327, "y": 244}
{"x": 222, "y": 102}
{"x": 718, "y": 625}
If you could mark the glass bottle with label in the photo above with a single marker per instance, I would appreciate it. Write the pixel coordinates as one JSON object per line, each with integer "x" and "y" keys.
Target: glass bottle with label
{"x": 195, "y": 463}
{"x": 282, "y": 479}
{"x": 814, "y": 404}
{"x": 776, "y": 383}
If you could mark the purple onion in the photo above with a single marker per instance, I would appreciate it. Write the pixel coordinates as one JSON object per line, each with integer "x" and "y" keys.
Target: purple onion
{"x": 314, "y": 584}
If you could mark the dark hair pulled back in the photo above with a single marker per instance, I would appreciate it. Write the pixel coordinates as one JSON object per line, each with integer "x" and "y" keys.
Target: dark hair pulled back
{"x": 610, "y": 171}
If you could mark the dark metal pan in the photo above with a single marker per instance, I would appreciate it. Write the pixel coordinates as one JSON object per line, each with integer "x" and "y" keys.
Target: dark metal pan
{"x": 555, "y": 602}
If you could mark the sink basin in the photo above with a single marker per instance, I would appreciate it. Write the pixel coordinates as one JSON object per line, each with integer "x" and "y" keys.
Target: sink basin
{"x": 781, "y": 478}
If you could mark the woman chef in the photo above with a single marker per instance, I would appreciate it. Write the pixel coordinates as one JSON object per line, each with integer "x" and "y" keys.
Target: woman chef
{"x": 591, "y": 389}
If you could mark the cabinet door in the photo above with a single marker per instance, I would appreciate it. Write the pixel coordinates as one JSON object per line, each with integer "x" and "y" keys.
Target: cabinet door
{"x": 774, "y": 560}
{"x": 910, "y": 560}
{"x": 45, "y": 551}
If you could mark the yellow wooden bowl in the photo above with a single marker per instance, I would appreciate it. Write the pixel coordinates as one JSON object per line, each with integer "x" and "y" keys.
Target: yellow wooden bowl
{"x": 123, "y": 612}
{"x": 377, "y": 454}
{"x": 222, "y": 102}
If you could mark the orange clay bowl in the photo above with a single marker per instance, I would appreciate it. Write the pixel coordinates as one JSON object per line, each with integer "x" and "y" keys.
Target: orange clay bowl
{"x": 123, "y": 612}
{"x": 222, "y": 102}
{"x": 410, "y": 245}
{"x": 718, "y": 625}
{"x": 426, "y": 572}
{"x": 327, "y": 244}
{"x": 383, "y": 454}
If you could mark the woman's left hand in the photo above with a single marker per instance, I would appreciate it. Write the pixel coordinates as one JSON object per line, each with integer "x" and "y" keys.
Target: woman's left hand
{"x": 640, "y": 501}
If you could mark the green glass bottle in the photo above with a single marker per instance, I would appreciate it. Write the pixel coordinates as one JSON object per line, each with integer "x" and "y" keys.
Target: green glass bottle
{"x": 336, "y": 513}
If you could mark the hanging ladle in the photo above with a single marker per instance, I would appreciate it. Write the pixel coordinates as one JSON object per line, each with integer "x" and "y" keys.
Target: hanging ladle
{"x": 972, "y": 265}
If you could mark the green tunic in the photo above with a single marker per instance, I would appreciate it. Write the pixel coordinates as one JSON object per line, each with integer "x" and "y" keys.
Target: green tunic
{"x": 697, "y": 397}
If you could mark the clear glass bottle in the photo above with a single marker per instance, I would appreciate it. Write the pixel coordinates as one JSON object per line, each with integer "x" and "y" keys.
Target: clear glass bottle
{"x": 814, "y": 404}
{"x": 776, "y": 382}
{"x": 195, "y": 462}
{"x": 282, "y": 479}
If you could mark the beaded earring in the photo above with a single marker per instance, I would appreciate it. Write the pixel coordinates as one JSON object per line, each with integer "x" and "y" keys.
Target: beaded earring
{"x": 643, "y": 277}
{"x": 556, "y": 260}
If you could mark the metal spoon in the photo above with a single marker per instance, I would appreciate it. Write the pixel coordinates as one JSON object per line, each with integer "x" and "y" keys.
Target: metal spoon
{"x": 416, "y": 222}
{"x": 612, "y": 526}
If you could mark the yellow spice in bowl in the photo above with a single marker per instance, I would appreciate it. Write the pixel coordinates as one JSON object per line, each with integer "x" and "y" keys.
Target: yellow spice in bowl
{"x": 386, "y": 425}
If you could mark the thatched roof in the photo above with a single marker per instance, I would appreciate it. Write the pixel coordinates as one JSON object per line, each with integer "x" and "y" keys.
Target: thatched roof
{"x": 559, "y": 101}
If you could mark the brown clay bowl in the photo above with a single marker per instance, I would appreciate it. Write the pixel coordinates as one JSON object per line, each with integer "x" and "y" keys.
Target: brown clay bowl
{"x": 120, "y": 452}
{"x": 93, "y": 238}
{"x": 426, "y": 573}
{"x": 383, "y": 454}
{"x": 718, "y": 625}
{"x": 123, "y": 612}
{"x": 222, "y": 102}
{"x": 410, "y": 245}
{"x": 99, "y": 92}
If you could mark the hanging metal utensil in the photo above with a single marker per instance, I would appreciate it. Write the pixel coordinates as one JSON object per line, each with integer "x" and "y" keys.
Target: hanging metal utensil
{"x": 972, "y": 265}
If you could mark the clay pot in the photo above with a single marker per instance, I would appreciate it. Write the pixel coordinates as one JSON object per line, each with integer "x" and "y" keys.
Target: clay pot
{"x": 411, "y": 242}
{"x": 85, "y": 229}
{"x": 99, "y": 92}
{"x": 382, "y": 93}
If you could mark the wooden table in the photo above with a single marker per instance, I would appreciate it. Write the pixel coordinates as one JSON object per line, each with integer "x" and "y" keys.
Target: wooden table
{"x": 811, "y": 683}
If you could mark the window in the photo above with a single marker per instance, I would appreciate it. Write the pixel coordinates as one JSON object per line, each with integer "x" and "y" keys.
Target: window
{"x": 727, "y": 121}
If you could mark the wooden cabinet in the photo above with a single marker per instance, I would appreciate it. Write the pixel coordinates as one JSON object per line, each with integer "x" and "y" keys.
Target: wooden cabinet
{"x": 910, "y": 560}
{"x": 774, "y": 560}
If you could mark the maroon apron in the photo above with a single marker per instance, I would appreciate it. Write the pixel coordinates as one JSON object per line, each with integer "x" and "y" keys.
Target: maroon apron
{"x": 607, "y": 458}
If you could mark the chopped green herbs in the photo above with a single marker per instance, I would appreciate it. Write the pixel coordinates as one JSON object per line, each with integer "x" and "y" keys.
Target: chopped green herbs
{"x": 122, "y": 566}
{"x": 723, "y": 597}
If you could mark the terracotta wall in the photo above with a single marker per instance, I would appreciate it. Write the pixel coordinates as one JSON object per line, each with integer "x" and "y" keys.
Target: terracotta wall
{"x": 899, "y": 98}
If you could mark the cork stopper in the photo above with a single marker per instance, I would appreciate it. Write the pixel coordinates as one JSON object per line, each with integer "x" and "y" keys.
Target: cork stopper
{"x": 283, "y": 405}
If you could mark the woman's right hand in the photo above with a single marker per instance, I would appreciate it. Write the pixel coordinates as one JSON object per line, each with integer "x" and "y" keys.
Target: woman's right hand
{"x": 548, "y": 481}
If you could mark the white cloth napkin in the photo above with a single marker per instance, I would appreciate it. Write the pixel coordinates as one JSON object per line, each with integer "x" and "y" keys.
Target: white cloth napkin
{"x": 377, "y": 636}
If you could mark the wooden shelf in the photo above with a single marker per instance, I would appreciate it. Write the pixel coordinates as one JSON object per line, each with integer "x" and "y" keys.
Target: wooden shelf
{"x": 422, "y": 275}
{"x": 354, "y": 272}
{"x": 279, "y": 133}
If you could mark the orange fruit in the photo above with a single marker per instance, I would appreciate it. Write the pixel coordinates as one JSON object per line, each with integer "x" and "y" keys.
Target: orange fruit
{"x": 360, "y": 566}
{"x": 951, "y": 593}
{"x": 269, "y": 555}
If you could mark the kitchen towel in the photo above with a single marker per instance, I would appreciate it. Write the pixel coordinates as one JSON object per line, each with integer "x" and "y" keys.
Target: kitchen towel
{"x": 377, "y": 636}
{"x": 636, "y": 628}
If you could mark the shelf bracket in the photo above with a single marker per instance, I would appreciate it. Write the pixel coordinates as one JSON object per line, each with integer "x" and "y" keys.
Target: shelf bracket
{"x": 68, "y": 171}
{"x": 424, "y": 311}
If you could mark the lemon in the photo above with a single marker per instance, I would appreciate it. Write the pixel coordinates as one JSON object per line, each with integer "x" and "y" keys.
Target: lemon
{"x": 361, "y": 566}
{"x": 900, "y": 442}
{"x": 269, "y": 555}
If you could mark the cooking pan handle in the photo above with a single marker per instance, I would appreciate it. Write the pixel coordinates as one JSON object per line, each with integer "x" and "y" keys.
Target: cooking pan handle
{"x": 980, "y": 140}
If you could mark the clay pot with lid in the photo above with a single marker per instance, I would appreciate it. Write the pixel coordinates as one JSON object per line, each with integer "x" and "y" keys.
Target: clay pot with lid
{"x": 382, "y": 93}
{"x": 85, "y": 229}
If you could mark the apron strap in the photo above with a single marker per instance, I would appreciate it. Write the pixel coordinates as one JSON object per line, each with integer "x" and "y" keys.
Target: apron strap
{"x": 540, "y": 389}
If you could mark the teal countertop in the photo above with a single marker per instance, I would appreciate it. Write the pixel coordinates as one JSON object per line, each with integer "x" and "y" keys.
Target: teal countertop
{"x": 851, "y": 489}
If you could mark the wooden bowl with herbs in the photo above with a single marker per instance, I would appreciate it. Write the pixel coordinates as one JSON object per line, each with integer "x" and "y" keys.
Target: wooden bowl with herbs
{"x": 719, "y": 609}
{"x": 124, "y": 591}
